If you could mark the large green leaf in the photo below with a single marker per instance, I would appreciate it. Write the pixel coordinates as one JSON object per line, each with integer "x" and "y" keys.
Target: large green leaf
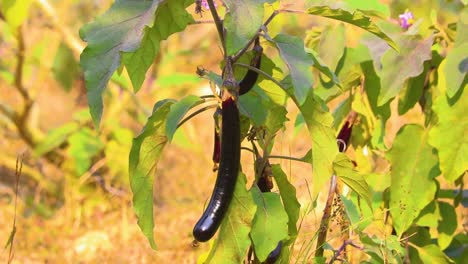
{"x": 398, "y": 67}
{"x": 170, "y": 17}
{"x": 449, "y": 136}
{"x": 344, "y": 169}
{"x": 144, "y": 156}
{"x": 119, "y": 29}
{"x": 357, "y": 18}
{"x": 242, "y": 22}
{"x": 123, "y": 29}
{"x": 233, "y": 239}
{"x": 270, "y": 224}
{"x": 414, "y": 165}
{"x": 292, "y": 52}
{"x": 288, "y": 196}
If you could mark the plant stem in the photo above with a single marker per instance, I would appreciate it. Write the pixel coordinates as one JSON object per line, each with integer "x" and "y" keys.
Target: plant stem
{"x": 266, "y": 75}
{"x": 322, "y": 235}
{"x": 219, "y": 24}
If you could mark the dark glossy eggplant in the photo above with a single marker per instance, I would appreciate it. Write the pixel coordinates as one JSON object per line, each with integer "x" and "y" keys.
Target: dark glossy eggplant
{"x": 228, "y": 170}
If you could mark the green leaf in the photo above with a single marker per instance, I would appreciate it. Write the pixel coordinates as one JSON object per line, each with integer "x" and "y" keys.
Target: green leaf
{"x": 344, "y": 169}
{"x": 397, "y": 67}
{"x": 447, "y": 225}
{"x": 413, "y": 91}
{"x": 249, "y": 107}
{"x": 372, "y": 85}
{"x": 242, "y": 22}
{"x": 352, "y": 5}
{"x": 448, "y": 136}
{"x": 170, "y": 17}
{"x": 55, "y": 138}
{"x": 270, "y": 224}
{"x": 65, "y": 67}
{"x": 322, "y": 67}
{"x": 233, "y": 239}
{"x": 332, "y": 45}
{"x": 414, "y": 165}
{"x": 144, "y": 156}
{"x": 432, "y": 254}
{"x": 84, "y": 145}
{"x": 123, "y": 29}
{"x": 429, "y": 216}
{"x": 292, "y": 52}
{"x": 319, "y": 122}
{"x": 289, "y": 198}
{"x": 456, "y": 68}
{"x": 119, "y": 29}
{"x": 177, "y": 112}
{"x": 15, "y": 12}
{"x": 357, "y": 18}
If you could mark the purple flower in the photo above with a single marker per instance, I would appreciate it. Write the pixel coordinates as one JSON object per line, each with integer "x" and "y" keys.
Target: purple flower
{"x": 406, "y": 19}
{"x": 206, "y": 6}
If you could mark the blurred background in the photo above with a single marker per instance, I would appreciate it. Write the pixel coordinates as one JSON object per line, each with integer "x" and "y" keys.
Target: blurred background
{"x": 73, "y": 199}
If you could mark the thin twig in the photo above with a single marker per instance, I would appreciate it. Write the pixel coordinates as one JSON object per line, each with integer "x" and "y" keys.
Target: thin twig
{"x": 196, "y": 113}
{"x": 342, "y": 248}
{"x": 75, "y": 44}
{"x": 198, "y": 22}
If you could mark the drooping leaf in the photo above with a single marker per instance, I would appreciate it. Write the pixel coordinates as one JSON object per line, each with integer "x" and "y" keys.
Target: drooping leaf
{"x": 242, "y": 22}
{"x": 123, "y": 29}
{"x": 144, "y": 156}
{"x": 119, "y": 29}
{"x": 344, "y": 169}
{"x": 170, "y": 17}
{"x": 177, "y": 112}
{"x": 357, "y": 18}
{"x": 233, "y": 239}
{"x": 288, "y": 196}
{"x": 270, "y": 224}
{"x": 414, "y": 165}
{"x": 398, "y": 67}
{"x": 292, "y": 52}
{"x": 448, "y": 136}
